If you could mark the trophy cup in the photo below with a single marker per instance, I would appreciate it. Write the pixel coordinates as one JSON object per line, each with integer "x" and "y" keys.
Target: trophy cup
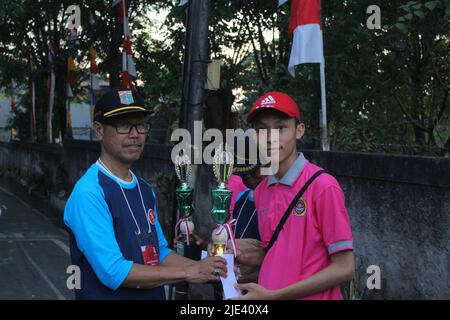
{"x": 184, "y": 194}
{"x": 221, "y": 200}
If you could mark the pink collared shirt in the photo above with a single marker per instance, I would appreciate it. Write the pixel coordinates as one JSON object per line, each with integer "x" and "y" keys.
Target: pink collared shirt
{"x": 317, "y": 227}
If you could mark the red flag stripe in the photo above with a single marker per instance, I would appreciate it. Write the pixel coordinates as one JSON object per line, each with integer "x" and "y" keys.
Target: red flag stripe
{"x": 304, "y": 12}
{"x": 127, "y": 46}
{"x": 119, "y": 7}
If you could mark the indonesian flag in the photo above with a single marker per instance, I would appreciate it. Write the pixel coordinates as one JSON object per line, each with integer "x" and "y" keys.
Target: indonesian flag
{"x": 71, "y": 76}
{"x": 94, "y": 69}
{"x": 128, "y": 66}
{"x": 32, "y": 97}
{"x": 306, "y": 27}
{"x": 95, "y": 79}
{"x": 72, "y": 44}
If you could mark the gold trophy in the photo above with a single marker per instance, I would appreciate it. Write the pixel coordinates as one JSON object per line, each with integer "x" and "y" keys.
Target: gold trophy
{"x": 221, "y": 200}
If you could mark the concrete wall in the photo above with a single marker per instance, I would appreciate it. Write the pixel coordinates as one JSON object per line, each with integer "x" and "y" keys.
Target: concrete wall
{"x": 399, "y": 206}
{"x": 5, "y": 114}
{"x": 45, "y": 174}
{"x": 399, "y": 209}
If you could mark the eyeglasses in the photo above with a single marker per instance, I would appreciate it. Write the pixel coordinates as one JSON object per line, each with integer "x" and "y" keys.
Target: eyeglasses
{"x": 125, "y": 128}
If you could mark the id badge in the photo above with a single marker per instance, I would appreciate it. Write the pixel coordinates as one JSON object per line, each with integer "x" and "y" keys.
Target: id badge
{"x": 150, "y": 255}
{"x": 148, "y": 250}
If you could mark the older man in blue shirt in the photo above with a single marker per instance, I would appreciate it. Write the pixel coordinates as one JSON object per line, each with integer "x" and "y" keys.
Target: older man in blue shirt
{"x": 116, "y": 238}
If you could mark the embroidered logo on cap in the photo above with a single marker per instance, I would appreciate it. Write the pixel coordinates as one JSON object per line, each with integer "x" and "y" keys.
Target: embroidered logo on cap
{"x": 300, "y": 208}
{"x": 267, "y": 101}
{"x": 126, "y": 97}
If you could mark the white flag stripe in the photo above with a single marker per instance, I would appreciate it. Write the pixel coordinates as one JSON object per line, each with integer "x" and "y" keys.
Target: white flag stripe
{"x": 281, "y": 2}
{"x": 126, "y": 28}
{"x": 124, "y": 61}
{"x": 95, "y": 81}
{"x": 307, "y": 46}
{"x": 69, "y": 91}
{"x": 128, "y": 64}
{"x": 131, "y": 66}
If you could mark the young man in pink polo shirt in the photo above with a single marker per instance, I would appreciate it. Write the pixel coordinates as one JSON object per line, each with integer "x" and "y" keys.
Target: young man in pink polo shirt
{"x": 313, "y": 252}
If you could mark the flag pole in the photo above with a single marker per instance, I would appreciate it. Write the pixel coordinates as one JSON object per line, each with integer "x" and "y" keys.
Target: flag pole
{"x": 323, "y": 111}
{"x": 51, "y": 94}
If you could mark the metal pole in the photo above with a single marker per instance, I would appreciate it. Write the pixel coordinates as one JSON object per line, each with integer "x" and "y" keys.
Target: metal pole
{"x": 194, "y": 77}
{"x": 180, "y": 291}
{"x": 199, "y": 59}
{"x": 323, "y": 112}
{"x": 186, "y": 68}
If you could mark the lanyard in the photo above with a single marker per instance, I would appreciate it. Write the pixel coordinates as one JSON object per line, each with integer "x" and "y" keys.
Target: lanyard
{"x": 239, "y": 214}
{"x": 100, "y": 162}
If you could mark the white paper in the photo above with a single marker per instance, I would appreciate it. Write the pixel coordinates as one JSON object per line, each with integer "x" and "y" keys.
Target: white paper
{"x": 229, "y": 291}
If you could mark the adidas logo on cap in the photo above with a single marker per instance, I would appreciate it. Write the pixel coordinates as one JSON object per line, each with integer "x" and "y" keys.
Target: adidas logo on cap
{"x": 267, "y": 101}
{"x": 275, "y": 100}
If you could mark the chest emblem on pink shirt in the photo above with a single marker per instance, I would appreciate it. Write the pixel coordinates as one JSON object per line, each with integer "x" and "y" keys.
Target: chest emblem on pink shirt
{"x": 300, "y": 208}
{"x": 151, "y": 216}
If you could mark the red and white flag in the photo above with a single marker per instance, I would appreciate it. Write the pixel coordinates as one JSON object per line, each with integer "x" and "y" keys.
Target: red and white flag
{"x": 128, "y": 66}
{"x": 95, "y": 78}
{"x": 305, "y": 26}
{"x": 71, "y": 67}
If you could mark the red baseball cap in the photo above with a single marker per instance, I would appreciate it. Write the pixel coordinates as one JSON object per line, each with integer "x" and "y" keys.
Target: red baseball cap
{"x": 277, "y": 101}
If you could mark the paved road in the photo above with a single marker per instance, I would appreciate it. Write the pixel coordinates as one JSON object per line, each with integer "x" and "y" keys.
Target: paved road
{"x": 34, "y": 253}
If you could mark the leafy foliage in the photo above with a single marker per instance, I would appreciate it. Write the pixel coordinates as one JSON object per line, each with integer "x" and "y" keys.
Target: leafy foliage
{"x": 387, "y": 89}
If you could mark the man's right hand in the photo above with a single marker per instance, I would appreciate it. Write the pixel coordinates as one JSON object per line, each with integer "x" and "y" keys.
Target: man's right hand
{"x": 205, "y": 270}
{"x": 250, "y": 252}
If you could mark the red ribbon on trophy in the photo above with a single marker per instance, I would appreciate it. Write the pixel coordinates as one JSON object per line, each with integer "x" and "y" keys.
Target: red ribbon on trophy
{"x": 229, "y": 230}
{"x": 184, "y": 220}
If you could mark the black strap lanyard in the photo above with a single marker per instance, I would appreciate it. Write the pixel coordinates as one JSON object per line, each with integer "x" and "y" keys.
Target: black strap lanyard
{"x": 289, "y": 209}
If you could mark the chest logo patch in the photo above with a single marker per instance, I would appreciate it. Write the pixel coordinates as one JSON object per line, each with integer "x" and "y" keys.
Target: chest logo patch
{"x": 151, "y": 216}
{"x": 300, "y": 208}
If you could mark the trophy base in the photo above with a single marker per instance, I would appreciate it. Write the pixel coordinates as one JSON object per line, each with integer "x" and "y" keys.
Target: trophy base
{"x": 219, "y": 249}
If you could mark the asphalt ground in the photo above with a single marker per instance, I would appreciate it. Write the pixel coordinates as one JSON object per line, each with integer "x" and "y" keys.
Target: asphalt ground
{"x": 34, "y": 253}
